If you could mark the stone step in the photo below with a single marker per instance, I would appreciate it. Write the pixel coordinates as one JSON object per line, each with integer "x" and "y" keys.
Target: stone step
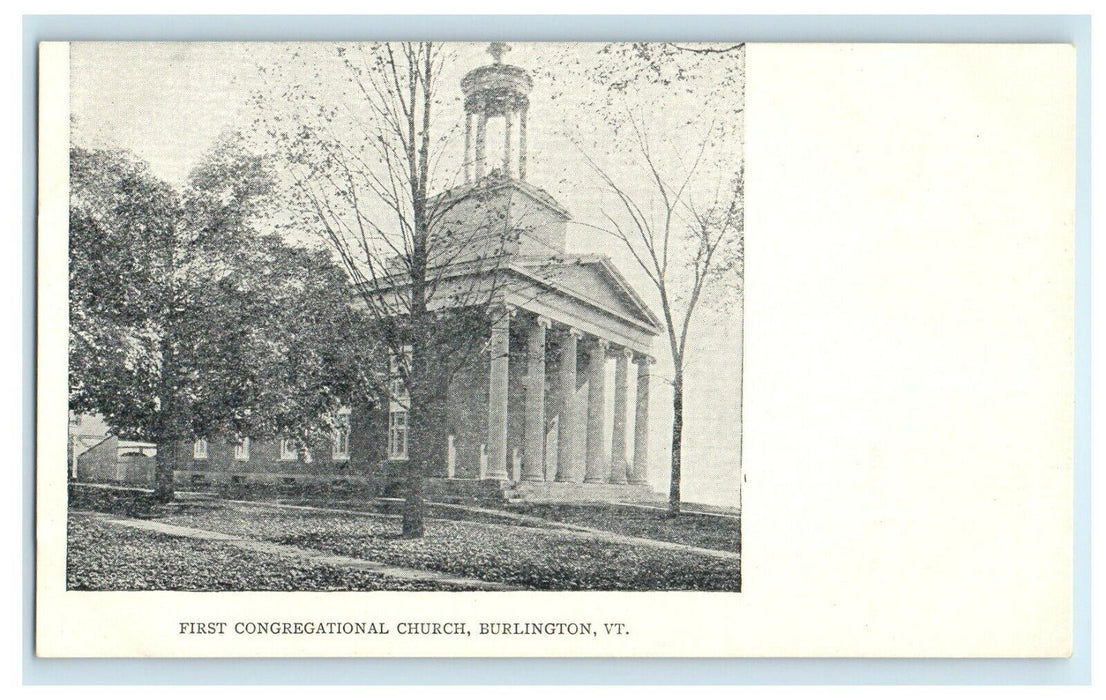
{"x": 566, "y": 492}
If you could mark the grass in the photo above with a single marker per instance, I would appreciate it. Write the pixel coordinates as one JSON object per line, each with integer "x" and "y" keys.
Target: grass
{"x": 481, "y": 545}
{"x": 709, "y": 532}
{"x": 695, "y": 529}
{"x": 105, "y": 557}
{"x": 531, "y": 557}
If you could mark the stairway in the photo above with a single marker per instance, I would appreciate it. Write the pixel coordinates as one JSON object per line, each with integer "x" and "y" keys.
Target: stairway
{"x": 569, "y": 492}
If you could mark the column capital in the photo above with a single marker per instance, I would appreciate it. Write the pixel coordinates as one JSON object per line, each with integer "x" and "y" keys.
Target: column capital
{"x": 574, "y": 332}
{"x": 601, "y": 344}
{"x": 542, "y": 321}
{"x": 643, "y": 359}
{"x": 621, "y": 351}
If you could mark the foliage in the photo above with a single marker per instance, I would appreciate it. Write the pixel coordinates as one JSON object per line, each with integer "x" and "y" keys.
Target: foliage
{"x": 187, "y": 320}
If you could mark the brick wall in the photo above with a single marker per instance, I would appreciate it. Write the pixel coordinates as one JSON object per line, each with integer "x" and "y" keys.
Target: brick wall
{"x": 466, "y": 415}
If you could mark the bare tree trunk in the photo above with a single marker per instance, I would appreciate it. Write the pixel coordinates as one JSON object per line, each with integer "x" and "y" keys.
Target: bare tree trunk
{"x": 419, "y": 385}
{"x": 677, "y": 442}
{"x": 414, "y": 501}
{"x": 418, "y": 438}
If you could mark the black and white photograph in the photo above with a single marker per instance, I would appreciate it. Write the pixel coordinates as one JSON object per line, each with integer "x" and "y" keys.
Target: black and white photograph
{"x": 405, "y": 316}
{"x": 612, "y": 347}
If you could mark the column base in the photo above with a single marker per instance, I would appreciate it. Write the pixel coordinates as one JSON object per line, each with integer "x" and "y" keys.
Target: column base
{"x": 620, "y": 472}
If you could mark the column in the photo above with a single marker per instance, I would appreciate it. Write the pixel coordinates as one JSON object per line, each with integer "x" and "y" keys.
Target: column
{"x": 533, "y": 454}
{"x": 619, "y": 467}
{"x": 481, "y": 127}
{"x": 522, "y": 144}
{"x": 567, "y": 429}
{"x": 468, "y": 147}
{"x": 497, "y": 394}
{"x": 639, "y": 474}
{"x": 508, "y": 122}
{"x": 597, "y": 392}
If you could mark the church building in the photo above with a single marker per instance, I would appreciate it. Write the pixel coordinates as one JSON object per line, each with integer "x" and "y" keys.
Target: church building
{"x": 532, "y": 419}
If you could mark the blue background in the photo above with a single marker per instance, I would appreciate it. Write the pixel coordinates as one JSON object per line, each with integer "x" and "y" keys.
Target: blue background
{"x": 761, "y": 28}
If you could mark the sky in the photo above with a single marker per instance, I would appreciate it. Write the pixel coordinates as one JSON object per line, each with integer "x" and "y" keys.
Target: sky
{"x": 169, "y": 102}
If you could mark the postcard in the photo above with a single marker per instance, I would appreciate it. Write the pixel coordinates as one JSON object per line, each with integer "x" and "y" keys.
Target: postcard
{"x": 555, "y": 349}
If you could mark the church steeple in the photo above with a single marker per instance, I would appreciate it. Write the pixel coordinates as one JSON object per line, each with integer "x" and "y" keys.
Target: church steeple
{"x": 491, "y": 91}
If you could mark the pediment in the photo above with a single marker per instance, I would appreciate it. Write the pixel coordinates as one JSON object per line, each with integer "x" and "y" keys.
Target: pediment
{"x": 594, "y": 280}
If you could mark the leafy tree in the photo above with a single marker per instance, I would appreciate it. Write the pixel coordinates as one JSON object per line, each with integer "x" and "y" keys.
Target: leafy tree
{"x": 186, "y": 319}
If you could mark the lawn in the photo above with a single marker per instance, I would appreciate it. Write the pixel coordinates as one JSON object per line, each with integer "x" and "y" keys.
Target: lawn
{"x": 525, "y": 556}
{"x": 698, "y": 530}
{"x": 539, "y": 558}
{"x": 707, "y": 531}
{"x": 106, "y": 557}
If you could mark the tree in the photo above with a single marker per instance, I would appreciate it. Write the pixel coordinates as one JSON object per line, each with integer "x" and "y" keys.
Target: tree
{"x": 186, "y": 320}
{"x": 682, "y": 217}
{"x": 369, "y": 170}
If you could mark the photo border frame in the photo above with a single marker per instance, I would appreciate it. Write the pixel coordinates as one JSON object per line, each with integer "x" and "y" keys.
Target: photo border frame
{"x": 605, "y": 671}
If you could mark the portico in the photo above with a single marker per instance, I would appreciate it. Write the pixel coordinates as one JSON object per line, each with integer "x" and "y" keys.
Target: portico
{"x": 567, "y": 432}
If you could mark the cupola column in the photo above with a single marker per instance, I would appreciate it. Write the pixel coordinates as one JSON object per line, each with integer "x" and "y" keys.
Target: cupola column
{"x": 522, "y": 143}
{"x": 468, "y": 147}
{"x": 507, "y": 155}
{"x": 481, "y": 129}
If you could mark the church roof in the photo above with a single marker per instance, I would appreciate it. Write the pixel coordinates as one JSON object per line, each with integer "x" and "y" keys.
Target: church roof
{"x": 497, "y": 182}
{"x": 594, "y": 280}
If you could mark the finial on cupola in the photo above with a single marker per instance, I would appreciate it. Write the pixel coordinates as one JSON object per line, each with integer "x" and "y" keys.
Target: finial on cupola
{"x": 497, "y": 49}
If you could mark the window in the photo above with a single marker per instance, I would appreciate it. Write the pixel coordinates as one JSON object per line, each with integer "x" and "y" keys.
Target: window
{"x": 288, "y": 450}
{"x": 199, "y": 449}
{"x": 397, "y": 387}
{"x": 242, "y": 450}
{"x": 397, "y": 434}
{"x": 397, "y": 405}
{"x": 340, "y": 450}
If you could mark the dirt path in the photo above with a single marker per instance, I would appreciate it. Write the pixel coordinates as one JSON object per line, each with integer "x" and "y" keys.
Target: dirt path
{"x": 314, "y": 556}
